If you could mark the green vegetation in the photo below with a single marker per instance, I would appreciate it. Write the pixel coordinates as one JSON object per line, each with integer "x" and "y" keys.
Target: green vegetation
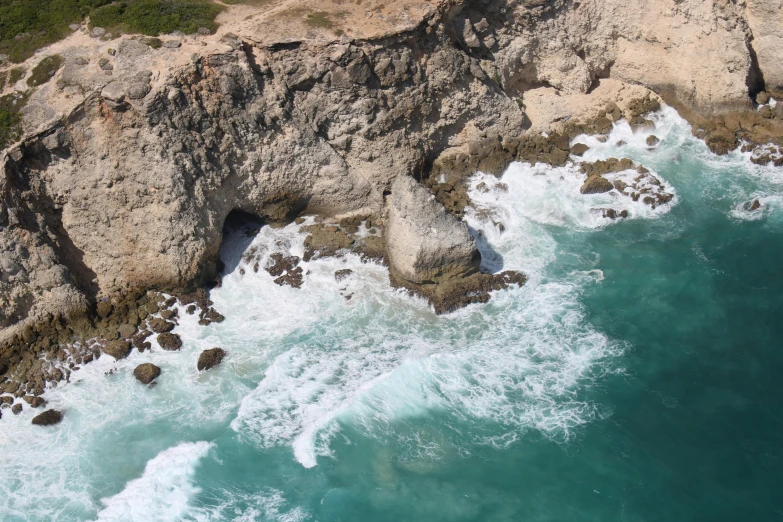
{"x": 319, "y": 19}
{"x": 28, "y": 25}
{"x": 154, "y": 17}
{"x": 10, "y": 118}
{"x": 45, "y": 69}
{"x": 17, "y": 73}
{"x": 2, "y": 81}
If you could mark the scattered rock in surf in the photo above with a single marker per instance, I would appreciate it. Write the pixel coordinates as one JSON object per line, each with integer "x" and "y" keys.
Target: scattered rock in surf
{"x": 652, "y": 140}
{"x": 159, "y": 325}
{"x": 342, "y": 274}
{"x": 37, "y": 402}
{"x": 168, "y": 314}
{"x": 210, "y": 358}
{"x": 6, "y": 401}
{"x": 286, "y": 270}
{"x": 753, "y": 206}
{"x": 140, "y": 342}
{"x": 579, "y": 149}
{"x": 210, "y": 315}
{"x": 611, "y": 213}
{"x": 117, "y": 349}
{"x": 146, "y": 373}
{"x": 620, "y": 143}
{"x": 16, "y": 409}
{"x": 48, "y": 418}
{"x": 596, "y": 185}
{"x": 191, "y": 309}
{"x": 169, "y": 341}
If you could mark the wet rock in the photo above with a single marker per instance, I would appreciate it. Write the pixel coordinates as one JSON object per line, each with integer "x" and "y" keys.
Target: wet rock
{"x": 210, "y": 358}
{"x": 37, "y": 402}
{"x": 48, "y": 418}
{"x": 210, "y": 315}
{"x": 652, "y": 140}
{"x": 117, "y": 349}
{"x": 16, "y": 409}
{"x": 753, "y": 206}
{"x": 146, "y": 373}
{"x": 159, "y": 325}
{"x": 325, "y": 241}
{"x": 168, "y": 314}
{"x": 285, "y": 270}
{"x": 579, "y": 149}
{"x": 340, "y": 275}
{"x": 140, "y": 342}
{"x": 6, "y": 401}
{"x": 169, "y": 341}
{"x": 596, "y": 185}
{"x": 191, "y": 309}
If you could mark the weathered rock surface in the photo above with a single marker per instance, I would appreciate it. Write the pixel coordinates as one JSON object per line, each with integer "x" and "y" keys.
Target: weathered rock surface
{"x": 48, "y": 418}
{"x": 133, "y": 157}
{"x": 210, "y": 358}
{"x": 169, "y": 341}
{"x": 117, "y": 349}
{"x": 425, "y": 243}
{"x": 146, "y": 373}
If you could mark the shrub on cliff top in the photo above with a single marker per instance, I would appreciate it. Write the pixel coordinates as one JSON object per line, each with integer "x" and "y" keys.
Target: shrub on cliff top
{"x": 28, "y": 25}
{"x": 154, "y": 17}
{"x": 10, "y": 118}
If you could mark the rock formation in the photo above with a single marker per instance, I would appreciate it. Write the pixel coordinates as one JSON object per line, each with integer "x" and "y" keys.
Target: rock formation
{"x": 132, "y": 158}
{"x": 145, "y": 373}
{"x": 48, "y": 418}
{"x": 210, "y": 358}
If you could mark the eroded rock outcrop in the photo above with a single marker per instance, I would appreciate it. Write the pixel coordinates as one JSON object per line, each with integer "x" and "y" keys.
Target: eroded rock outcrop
{"x": 133, "y": 157}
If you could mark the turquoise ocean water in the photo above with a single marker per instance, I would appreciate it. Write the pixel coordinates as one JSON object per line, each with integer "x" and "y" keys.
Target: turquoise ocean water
{"x": 635, "y": 378}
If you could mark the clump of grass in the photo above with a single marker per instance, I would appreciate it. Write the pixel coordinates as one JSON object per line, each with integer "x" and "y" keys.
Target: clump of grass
{"x": 11, "y": 118}
{"x": 154, "y": 17}
{"x": 2, "y": 80}
{"x": 45, "y": 69}
{"x": 16, "y": 74}
{"x": 319, "y": 19}
{"x": 28, "y": 25}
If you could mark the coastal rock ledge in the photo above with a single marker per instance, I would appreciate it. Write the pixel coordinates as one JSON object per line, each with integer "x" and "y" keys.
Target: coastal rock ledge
{"x": 432, "y": 254}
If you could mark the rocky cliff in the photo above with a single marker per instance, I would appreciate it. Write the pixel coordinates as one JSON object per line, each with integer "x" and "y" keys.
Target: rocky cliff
{"x": 133, "y": 157}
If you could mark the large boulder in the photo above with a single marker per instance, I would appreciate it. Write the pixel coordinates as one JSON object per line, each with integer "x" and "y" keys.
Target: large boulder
{"x": 48, "y": 418}
{"x": 596, "y": 185}
{"x": 425, "y": 243}
{"x": 210, "y": 358}
{"x": 169, "y": 341}
{"x": 117, "y": 349}
{"x": 146, "y": 373}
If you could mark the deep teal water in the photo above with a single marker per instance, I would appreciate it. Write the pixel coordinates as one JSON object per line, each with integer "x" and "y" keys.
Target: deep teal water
{"x": 636, "y": 378}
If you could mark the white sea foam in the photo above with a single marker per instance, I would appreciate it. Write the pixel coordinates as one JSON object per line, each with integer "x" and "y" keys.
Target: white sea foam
{"x": 266, "y": 505}
{"x": 162, "y": 493}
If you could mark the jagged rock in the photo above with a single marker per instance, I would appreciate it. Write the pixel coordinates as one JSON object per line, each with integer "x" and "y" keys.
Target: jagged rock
{"x": 117, "y": 349}
{"x": 146, "y": 373}
{"x": 285, "y": 270}
{"x": 16, "y": 409}
{"x": 426, "y": 244}
{"x": 579, "y": 149}
{"x": 652, "y": 141}
{"x": 340, "y": 275}
{"x": 169, "y": 341}
{"x": 48, "y": 418}
{"x": 210, "y": 358}
{"x": 596, "y": 185}
{"x": 159, "y": 325}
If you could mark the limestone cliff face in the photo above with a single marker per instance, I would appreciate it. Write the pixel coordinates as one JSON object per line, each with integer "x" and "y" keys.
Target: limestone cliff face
{"x": 125, "y": 181}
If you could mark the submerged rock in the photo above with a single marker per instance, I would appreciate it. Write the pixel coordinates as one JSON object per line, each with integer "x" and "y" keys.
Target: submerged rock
{"x": 146, "y": 373}
{"x": 169, "y": 341}
{"x": 48, "y": 418}
{"x": 339, "y": 275}
{"x": 210, "y": 358}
